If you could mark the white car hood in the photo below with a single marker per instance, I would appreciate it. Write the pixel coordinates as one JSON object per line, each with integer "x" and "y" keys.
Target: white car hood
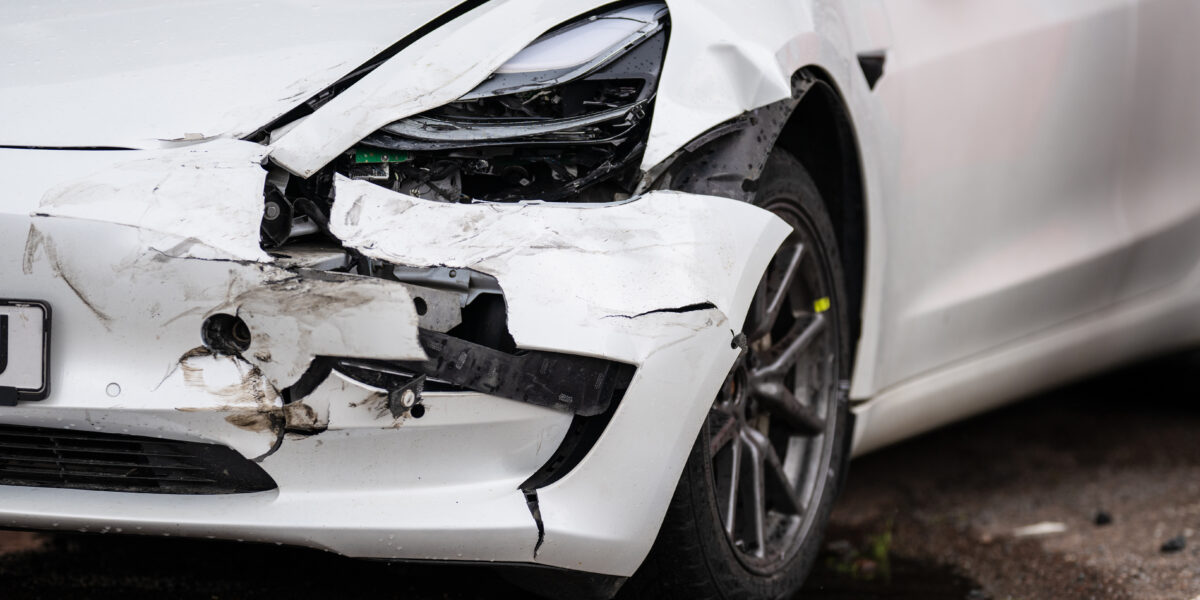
{"x": 133, "y": 73}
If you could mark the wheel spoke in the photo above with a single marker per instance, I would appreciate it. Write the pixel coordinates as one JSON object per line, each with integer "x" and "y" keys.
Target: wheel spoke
{"x": 735, "y": 476}
{"x": 793, "y": 345}
{"x": 771, "y": 461}
{"x": 782, "y": 403}
{"x": 758, "y": 496}
{"x": 768, "y": 310}
{"x": 724, "y": 434}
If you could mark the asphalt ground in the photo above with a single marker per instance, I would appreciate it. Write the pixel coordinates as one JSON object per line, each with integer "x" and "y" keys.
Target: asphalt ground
{"x": 1090, "y": 492}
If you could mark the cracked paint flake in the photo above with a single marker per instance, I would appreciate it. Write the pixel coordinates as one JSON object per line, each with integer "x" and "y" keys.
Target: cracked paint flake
{"x": 243, "y": 395}
{"x": 199, "y": 201}
{"x": 237, "y": 384}
{"x": 293, "y": 320}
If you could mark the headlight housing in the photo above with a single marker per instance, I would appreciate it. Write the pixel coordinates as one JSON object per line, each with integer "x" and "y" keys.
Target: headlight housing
{"x": 565, "y": 114}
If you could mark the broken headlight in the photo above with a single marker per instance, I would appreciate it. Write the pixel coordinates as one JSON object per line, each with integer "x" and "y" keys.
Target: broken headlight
{"x": 566, "y": 114}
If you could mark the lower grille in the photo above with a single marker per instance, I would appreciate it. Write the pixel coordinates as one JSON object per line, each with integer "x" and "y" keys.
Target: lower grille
{"x": 68, "y": 458}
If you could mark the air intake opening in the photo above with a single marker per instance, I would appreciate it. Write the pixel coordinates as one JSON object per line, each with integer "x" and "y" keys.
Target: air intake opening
{"x": 86, "y": 460}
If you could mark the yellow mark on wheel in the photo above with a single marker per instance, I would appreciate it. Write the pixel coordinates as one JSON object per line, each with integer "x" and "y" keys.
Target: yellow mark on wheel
{"x": 821, "y": 304}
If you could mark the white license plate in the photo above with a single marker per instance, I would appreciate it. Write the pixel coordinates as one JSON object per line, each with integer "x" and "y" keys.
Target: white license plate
{"x": 24, "y": 350}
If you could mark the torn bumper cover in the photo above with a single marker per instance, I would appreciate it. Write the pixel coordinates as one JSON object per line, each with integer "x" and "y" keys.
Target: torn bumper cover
{"x": 137, "y": 256}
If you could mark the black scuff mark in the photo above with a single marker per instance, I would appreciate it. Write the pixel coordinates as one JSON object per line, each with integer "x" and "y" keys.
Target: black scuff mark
{"x": 279, "y": 427}
{"x": 531, "y": 500}
{"x": 318, "y": 370}
{"x": 187, "y": 244}
{"x": 35, "y": 240}
{"x": 296, "y": 418}
{"x": 302, "y": 420}
{"x": 677, "y": 309}
{"x": 194, "y": 352}
{"x": 181, "y": 249}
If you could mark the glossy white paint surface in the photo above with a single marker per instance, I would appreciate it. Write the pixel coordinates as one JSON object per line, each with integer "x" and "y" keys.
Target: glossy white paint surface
{"x": 1002, "y": 183}
{"x": 135, "y": 73}
{"x": 1040, "y": 221}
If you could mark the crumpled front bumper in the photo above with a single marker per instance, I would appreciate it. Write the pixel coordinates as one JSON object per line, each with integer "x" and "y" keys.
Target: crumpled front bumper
{"x": 134, "y": 250}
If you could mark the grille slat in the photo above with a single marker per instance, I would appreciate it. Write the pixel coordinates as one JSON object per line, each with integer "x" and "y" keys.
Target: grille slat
{"x": 92, "y": 462}
{"x": 122, "y": 476}
{"x": 90, "y": 450}
{"x": 69, "y": 458}
{"x": 69, "y": 434}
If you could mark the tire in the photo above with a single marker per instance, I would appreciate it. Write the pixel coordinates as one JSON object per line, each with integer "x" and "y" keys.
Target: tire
{"x": 694, "y": 557}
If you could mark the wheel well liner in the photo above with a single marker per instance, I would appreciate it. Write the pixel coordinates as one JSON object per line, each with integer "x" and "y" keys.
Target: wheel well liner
{"x": 813, "y": 125}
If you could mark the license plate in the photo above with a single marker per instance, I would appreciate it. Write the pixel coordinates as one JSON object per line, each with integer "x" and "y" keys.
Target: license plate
{"x": 24, "y": 350}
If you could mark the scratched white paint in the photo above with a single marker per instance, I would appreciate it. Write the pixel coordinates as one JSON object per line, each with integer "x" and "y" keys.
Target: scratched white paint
{"x": 575, "y": 276}
{"x": 294, "y": 320}
{"x": 202, "y": 201}
{"x": 115, "y": 297}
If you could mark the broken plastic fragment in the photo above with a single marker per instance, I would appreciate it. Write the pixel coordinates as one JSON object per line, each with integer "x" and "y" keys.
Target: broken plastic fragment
{"x": 689, "y": 250}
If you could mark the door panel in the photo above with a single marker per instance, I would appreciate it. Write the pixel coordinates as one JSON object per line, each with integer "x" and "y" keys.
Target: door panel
{"x": 1160, "y": 199}
{"x": 1005, "y": 122}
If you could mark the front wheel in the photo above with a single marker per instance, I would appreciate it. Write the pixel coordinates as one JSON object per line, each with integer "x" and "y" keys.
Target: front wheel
{"x": 750, "y": 508}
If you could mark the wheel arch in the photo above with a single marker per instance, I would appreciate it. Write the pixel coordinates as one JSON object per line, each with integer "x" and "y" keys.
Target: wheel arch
{"x": 815, "y": 126}
{"x": 820, "y": 133}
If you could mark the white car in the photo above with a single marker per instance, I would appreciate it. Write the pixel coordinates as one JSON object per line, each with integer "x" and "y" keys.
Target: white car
{"x": 593, "y": 290}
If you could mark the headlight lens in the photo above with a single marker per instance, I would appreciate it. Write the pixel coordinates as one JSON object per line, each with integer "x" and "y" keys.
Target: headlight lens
{"x": 566, "y": 113}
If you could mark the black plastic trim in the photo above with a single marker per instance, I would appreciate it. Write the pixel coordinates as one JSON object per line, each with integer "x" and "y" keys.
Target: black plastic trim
{"x": 9, "y": 396}
{"x": 91, "y": 460}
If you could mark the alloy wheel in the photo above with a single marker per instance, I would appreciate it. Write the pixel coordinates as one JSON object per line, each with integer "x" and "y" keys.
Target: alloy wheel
{"x": 771, "y": 428}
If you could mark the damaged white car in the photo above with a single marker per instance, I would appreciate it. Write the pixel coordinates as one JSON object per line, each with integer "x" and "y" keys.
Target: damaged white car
{"x": 597, "y": 290}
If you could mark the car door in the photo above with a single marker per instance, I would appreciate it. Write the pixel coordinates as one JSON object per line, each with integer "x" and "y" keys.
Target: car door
{"x": 1160, "y": 192}
{"x": 1004, "y": 124}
